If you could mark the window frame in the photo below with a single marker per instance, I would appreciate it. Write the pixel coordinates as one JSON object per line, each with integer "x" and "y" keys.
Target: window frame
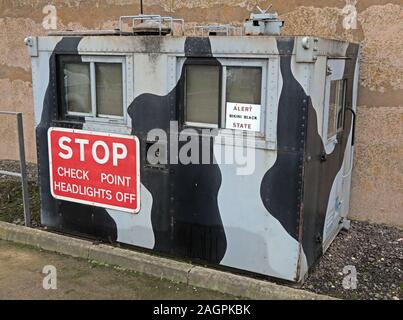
{"x": 251, "y": 63}
{"x": 223, "y": 63}
{"x": 333, "y": 138}
{"x": 93, "y": 116}
{"x": 201, "y": 62}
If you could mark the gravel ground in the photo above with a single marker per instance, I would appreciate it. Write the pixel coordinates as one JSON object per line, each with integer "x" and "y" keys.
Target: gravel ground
{"x": 375, "y": 251}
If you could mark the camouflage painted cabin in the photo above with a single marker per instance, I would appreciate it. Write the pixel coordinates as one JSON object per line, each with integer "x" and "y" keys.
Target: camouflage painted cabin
{"x": 276, "y": 221}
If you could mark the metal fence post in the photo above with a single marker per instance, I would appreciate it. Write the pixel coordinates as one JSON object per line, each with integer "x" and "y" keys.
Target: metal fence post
{"x": 23, "y": 166}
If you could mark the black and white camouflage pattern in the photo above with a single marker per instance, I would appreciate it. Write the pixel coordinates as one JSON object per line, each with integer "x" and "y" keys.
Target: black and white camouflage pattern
{"x": 276, "y": 221}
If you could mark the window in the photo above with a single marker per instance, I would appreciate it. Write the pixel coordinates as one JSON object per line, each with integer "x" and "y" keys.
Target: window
{"x": 234, "y": 102}
{"x": 243, "y": 103}
{"x": 335, "y": 117}
{"x": 77, "y": 86}
{"x": 109, "y": 89}
{"x": 342, "y": 105}
{"x": 92, "y": 87}
{"x": 244, "y": 85}
{"x": 202, "y": 95}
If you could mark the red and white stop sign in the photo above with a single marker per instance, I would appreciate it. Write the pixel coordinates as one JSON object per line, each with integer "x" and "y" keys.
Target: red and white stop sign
{"x": 94, "y": 168}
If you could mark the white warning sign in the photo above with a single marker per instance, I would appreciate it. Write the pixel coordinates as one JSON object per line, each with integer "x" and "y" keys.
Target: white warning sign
{"x": 243, "y": 116}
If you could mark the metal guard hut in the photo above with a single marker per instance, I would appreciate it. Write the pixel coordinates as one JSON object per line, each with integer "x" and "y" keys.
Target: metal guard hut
{"x": 276, "y": 221}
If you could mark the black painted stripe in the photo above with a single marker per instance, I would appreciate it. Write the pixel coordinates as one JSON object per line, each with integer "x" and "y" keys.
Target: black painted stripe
{"x": 281, "y": 186}
{"x": 185, "y": 215}
{"x": 63, "y": 215}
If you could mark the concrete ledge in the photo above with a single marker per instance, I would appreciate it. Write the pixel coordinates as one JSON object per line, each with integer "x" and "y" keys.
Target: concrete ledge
{"x": 237, "y": 285}
{"x": 45, "y": 240}
{"x": 169, "y": 269}
{"x": 141, "y": 262}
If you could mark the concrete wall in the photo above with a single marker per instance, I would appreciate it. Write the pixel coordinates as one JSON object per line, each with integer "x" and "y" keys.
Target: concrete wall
{"x": 377, "y": 176}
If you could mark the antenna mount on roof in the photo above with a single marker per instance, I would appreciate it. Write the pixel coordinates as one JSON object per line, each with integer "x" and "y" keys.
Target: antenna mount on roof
{"x": 264, "y": 11}
{"x": 263, "y": 23}
{"x": 151, "y": 24}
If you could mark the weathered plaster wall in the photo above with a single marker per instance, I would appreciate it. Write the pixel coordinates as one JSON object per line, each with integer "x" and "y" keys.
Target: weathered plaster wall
{"x": 378, "y": 172}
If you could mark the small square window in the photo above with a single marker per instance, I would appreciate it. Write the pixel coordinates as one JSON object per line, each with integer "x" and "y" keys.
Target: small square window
{"x": 244, "y": 85}
{"x": 109, "y": 89}
{"x": 77, "y": 85}
{"x": 202, "y": 94}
